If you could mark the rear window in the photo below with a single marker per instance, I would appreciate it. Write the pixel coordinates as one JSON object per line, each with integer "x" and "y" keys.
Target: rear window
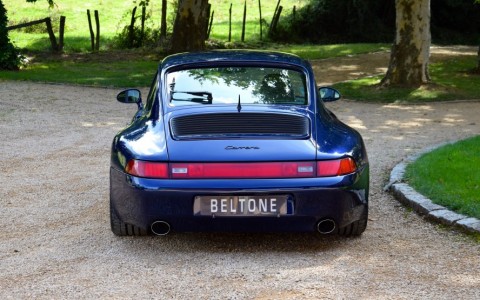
{"x": 229, "y": 85}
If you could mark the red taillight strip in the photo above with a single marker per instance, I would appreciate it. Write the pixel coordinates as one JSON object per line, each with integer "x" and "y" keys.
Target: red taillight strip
{"x": 325, "y": 168}
{"x": 243, "y": 170}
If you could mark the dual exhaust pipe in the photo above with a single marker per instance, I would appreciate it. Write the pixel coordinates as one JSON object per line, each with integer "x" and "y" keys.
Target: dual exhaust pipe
{"x": 326, "y": 226}
{"x": 161, "y": 228}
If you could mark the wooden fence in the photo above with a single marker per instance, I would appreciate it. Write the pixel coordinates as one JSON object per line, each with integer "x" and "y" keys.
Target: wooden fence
{"x": 53, "y": 41}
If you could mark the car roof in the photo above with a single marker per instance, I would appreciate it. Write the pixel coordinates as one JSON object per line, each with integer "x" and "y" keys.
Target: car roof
{"x": 232, "y": 56}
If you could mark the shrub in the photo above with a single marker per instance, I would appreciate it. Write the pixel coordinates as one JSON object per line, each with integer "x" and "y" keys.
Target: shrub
{"x": 9, "y": 58}
{"x": 335, "y": 21}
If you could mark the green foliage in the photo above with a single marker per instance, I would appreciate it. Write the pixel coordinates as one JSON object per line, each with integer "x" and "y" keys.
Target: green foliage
{"x": 9, "y": 58}
{"x": 452, "y": 22}
{"x": 450, "y": 176}
{"x": 339, "y": 21}
{"x": 126, "y": 40}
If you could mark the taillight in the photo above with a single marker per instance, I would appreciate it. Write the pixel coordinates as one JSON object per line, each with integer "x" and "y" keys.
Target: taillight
{"x": 147, "y": 169}
{"x": 243, "y": 170}
{"x": 336, "y": 167}
{"x": 240, "y": 170}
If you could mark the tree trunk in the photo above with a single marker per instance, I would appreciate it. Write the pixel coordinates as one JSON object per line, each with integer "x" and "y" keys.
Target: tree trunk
{"x": 411, "y": 49}
{"x": 189, "y": 32}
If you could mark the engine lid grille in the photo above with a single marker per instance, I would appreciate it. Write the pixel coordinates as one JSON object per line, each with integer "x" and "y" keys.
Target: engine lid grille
{"x": 230, "y": 125}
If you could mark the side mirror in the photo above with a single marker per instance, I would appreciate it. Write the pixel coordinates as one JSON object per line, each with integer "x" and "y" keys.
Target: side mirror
{"x": 130, "y": 96}
{"x": 328, "y": 94}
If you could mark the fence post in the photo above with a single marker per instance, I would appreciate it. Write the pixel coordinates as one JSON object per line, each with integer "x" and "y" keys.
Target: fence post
{"x": 51, "y": 35}
{"x": 61, "y": 33}
{"x": 210, "y": 26}
{"x": 131, "y": 29}
{"x": 273, "y": 18}
{"x": 230, "y": 23}
{"x": 244, "y": 19}
{"x": 207, "y": 21}
{"x": 142, "y": 26}
{"x": 97, "y": 22}
{"x": 260, "y": 11}
{"x": 92, "y": 35}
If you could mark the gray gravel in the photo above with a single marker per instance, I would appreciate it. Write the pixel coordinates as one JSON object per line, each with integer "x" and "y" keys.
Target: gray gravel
{"x": 56, "y": 241}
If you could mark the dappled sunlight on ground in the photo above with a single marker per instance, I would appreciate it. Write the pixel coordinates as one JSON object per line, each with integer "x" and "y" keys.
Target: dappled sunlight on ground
{"x": 403, "y": 129}
{"x": 98, "y": 124}
{"x": 329, "y": 71}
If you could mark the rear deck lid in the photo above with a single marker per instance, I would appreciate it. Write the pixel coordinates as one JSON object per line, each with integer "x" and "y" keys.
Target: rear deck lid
{"x": 246, "y": 136}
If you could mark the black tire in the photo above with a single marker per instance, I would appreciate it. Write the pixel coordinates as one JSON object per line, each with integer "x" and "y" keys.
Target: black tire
{"x": 354, "y": 229}
{"x": 122, "y": 229}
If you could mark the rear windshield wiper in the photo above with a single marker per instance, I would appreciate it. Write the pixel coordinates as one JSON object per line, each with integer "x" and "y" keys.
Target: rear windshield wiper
{"x": 207, "y": 97}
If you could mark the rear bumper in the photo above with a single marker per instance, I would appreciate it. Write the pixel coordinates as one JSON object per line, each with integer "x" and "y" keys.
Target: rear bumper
{"x": 140, "y": 202}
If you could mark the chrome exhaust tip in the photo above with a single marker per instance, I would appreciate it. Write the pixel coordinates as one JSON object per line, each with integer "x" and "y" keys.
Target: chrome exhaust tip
{"x": 326, "y": 226}
{"x": 160, "y": 228}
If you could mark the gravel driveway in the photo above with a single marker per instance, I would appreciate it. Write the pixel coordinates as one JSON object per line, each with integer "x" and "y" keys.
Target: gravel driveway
{"x": 56, "y": 240}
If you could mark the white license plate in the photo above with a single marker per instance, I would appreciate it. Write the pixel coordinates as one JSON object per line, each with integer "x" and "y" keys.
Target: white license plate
{"x": 223, "y": 206}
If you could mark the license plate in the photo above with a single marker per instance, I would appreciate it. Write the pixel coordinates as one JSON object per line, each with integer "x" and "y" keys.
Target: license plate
{"x": 231, "y": 206}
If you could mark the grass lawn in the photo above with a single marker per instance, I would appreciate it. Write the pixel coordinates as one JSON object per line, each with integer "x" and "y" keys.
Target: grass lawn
{"x": 450, "y": 176}
{"x": 452, "y": 81}
{"x": 135, "y": 68}
{"x": 115, "y": 14}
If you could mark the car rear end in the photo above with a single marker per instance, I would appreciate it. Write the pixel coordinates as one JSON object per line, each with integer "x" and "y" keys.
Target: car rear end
{"x": 247, "y": 165}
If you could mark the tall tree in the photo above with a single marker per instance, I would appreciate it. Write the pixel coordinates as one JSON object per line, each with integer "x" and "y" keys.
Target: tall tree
{"x": 189, "y": 29}
{"x": 411, "y": 48}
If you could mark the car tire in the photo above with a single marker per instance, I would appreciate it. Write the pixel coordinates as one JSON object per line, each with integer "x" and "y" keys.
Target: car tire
{"x": 122, "y": 229}
{"x": 354, "y": 229}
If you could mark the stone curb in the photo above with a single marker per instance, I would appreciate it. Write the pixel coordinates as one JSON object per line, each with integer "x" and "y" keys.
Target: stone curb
{"x": 421, "y": 204}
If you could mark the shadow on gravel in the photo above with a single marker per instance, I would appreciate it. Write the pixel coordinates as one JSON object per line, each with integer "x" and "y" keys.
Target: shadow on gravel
{"x": 238, "y": 242}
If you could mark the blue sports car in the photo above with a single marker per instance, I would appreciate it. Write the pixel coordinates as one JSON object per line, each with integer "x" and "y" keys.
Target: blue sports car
{"x": 237, "y": 141}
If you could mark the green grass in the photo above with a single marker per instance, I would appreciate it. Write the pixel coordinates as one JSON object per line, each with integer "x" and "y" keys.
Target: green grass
{"x": 115, "y": 14}
{"x": 450, "y": 176}
{"x": 451, "y": 78}
{"x": 119, "y": 74}
{"x": 135, "y": 68}
{"x": 329, "y": 51}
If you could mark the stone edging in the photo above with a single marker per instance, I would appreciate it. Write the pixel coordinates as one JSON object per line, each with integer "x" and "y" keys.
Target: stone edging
{"x": 421, "y": 204}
